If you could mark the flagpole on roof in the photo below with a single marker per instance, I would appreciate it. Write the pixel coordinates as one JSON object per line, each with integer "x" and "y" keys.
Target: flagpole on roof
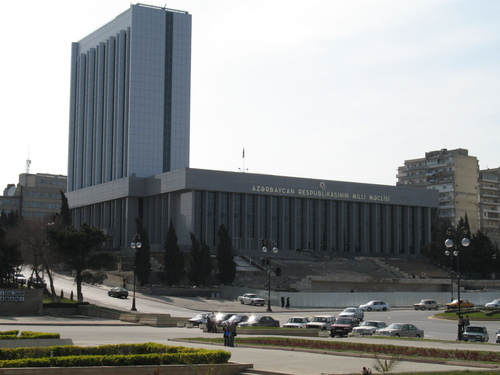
{"x": 243, "y": 170}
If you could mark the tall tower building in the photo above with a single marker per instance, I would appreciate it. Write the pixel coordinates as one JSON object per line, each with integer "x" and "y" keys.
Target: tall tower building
{"x": 454, "y": 173}
{"x": 130, "y": 98}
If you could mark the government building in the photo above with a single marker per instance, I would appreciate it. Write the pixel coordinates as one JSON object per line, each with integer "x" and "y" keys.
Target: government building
{"x": 129, "y": 157}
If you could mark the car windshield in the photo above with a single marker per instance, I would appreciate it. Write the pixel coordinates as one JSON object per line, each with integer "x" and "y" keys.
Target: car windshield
{"x": 254, "y": 319}
{"x": 344, "y": 321}
{"x": 369, "y": 324}
{"x": 474, "y": 329}
{"x": 319, "y": 319}
{"x": 350, "y": 310}
{"x": 395, "y": 326}
{"x": 296, "y": 320}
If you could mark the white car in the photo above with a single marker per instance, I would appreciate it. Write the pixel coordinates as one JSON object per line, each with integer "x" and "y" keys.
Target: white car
{"x": 251, "y": 299}
{"x": 296, "y": 322}
{"x": 375, "y": 305}
{"x": 368, "y": 327}
{"x": 494, "y": 303}
{"x": 352, "y": 312}
{"x": 322, "y": 322}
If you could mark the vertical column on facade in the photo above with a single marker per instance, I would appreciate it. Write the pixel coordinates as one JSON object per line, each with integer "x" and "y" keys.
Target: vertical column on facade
{"x": 385, "y": 228}
{"x": 317, "y": 228}
{"x": 109, "y": 110}
{"x": 427, "y": 212}
{"x": 119, "y": 123}
{"x": 293, "y": 224}
{"x": 328, "y": 226}
{"x": 80, "y": 120}
{"x": 244, "y": 219}
{"x": 373, "y": 229}
{"x": 352, "y": 225}
{"x": 99, "y": 115}
{"x": 89, "y": 118}
{"x": 340, "y": 227}
{"x": 131, "y": 212}
{"x": 406, "y": 230}
{"x": 364, "y": 229}
{"x": 72, "y": 116}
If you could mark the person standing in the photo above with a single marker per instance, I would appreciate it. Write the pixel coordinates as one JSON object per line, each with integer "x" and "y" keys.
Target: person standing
{"x": 287, "y": 302}
{"x": 466, "y": 321}
{"x": 226, "y": 333}
{"x": 232, "y": 333}
{"x": 282, "y": 301}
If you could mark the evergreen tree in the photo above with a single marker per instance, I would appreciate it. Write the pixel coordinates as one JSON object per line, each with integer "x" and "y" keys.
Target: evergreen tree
{"x": 174, "y": 258}
{"x": 225, "y": 258}
{"x": 65, "y": 214}
{"x": 142, "y": 261}
{"x": 200, "y": 263}
{"x": 10, "y": 253}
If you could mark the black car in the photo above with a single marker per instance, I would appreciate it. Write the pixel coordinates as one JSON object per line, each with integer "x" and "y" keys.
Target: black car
{"x": 343, "y": 326}
{"x": 36, "y": 283}
{"x": 118, "y": 292}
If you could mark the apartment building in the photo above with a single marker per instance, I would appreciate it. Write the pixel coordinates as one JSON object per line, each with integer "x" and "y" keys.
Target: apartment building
{"x": 35, "y": 196}
{"x": 454, "y": 173}
{"x": 489, "y": 203}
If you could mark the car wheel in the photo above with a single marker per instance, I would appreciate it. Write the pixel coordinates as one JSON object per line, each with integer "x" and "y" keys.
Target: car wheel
{"x": 369, "y": 309}
{"x": 435, "y": 308}
{"x": 252, "y": 303}
{"x": 396, "y": 335}
{"x": 418, "y": 336}
{"x": 242, "y": 302}
{"x": 332, "y": 334}
{"x": 384, "y": 309}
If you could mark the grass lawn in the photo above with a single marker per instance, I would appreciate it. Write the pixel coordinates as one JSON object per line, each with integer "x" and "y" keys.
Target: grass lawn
{"x": 491, "y": 314}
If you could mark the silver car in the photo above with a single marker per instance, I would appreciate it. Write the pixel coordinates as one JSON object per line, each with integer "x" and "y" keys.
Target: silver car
{"x": 352, "y": 312}
{"x": 401, "y": 330}
{"x": 475, "y": 333}
{"x": 368, "y": 327}
{"x": 296, "y": 322}
{"x": 375, "y": 305}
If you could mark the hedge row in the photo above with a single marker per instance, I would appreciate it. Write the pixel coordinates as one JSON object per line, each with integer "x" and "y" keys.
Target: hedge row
{"x": 394, "y": 350}
{"x": 110, "y": 355}
{"x": 14, "y": 335}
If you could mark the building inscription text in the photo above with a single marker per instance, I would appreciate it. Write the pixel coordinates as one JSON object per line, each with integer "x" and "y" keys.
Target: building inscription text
{"x": 321, "y": 193}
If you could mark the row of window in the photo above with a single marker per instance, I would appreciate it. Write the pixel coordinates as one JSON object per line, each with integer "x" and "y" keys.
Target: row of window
{"x": 38, "y": 194}
{"x": 50, "y": 206}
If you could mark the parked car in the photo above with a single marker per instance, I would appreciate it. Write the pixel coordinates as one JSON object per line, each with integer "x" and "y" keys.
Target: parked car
{"x": 296, "y": 322}
{"x": 36, "y": 282}
{"x": 375, "y": 305}
{"x": 494, "y": 303}
{"x": 475, "y": 333}
{"x": 235, "y": 319}
{"x": 260, "y": 320}
{"x": 497, "y": 340}
{"x": 251, "y": 299}
{"x": 220, "y": 317}
{"x": 352, "y": 312}
{"x": 343, "y": 326}
{"x": 198, "y": 319}
{"x": 429, "y": 304}
{"x": 401, "y": 330}
{"x": 118, "y": 292}
{"x": 321, "y": 322}
{"x": 20, "y": 279}
{"x": 368, "y": 327}
{"x": 463, "y": 304}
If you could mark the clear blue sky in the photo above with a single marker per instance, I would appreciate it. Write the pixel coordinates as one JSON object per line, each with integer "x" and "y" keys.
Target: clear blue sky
{"x": 334, "y": 90}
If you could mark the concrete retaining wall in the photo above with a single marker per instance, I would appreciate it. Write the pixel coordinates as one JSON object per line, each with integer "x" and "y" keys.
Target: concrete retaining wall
{"x": 341, "y": 300}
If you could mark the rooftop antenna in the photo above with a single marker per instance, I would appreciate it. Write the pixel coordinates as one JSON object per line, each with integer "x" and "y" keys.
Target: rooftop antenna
{"x": 243, "y": 169}
{"x": 28, "y": 162}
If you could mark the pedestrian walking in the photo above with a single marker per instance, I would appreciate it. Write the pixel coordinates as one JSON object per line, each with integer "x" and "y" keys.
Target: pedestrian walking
{"x": 282, "y": 301}
{"x": 287, "y": 302}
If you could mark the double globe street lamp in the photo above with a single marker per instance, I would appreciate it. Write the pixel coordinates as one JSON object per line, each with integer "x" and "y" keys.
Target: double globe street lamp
{"x": 457, "y": 238}
{"x": 136, "y": 244}
{"x": 265, "y": 249}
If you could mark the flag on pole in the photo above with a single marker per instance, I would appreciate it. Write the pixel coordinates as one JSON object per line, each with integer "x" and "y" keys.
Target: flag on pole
{"x": 243, "y": 152}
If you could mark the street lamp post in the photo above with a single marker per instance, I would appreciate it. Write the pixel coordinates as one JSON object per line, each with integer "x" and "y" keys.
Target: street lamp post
{"x": 136, "y": 244}
{"x": 265, "y": 250}
{"x": 459, "y": 239}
